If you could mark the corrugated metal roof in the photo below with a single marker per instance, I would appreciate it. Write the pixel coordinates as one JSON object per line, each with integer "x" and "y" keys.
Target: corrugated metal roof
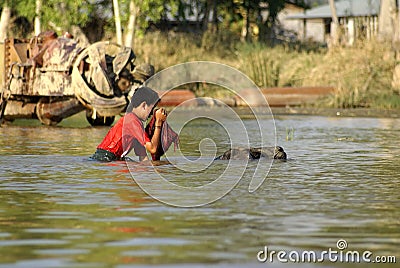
{"x": 344, "y": 8}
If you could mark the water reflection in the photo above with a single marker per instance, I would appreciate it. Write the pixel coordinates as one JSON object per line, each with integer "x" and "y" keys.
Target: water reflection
{"x": 57, "y": 208}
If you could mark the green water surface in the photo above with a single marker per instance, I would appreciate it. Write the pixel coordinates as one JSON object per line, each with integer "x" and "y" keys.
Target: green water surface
{"x": 59, "y": 209}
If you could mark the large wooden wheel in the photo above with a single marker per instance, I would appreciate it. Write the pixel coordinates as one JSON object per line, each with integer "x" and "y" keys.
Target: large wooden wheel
{"x": 99, "y": 120}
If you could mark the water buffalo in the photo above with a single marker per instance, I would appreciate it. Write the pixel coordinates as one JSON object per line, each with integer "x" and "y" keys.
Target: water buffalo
{"x": 276, "y": 152}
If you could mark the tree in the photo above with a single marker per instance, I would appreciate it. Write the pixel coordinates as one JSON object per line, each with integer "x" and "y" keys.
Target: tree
{"x": 247, "y": 9}
{"x": 210, "y": 15}
{"x": 249, "y": 12}
{"x": 55, "y": 14}
{"x": 274, "y": 7}
{"x": 141, "y": 13}
{"x": 4, "y": 21}
{"x": 117, "y": 19}
{"x": 38, "y": 10}
{"x": 335, "y": 23}
{"x": 389, "y": 29}
{"x": 134, "y": 11}
{"x": 386, "y": 22}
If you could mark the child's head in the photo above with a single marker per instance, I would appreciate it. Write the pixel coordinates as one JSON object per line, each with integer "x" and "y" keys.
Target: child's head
{"x": 143, "y": 94}
{"x": 145, "y": 98}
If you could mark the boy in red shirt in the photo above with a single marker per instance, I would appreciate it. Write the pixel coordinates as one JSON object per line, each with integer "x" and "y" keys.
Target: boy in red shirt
{"x": 128, "y": 133}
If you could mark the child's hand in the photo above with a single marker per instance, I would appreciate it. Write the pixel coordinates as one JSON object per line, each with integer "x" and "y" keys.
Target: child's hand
{"x": 161, "y": 116}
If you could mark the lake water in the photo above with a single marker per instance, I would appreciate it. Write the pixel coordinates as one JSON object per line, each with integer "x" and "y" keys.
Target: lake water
{"x": 59, "y": 209}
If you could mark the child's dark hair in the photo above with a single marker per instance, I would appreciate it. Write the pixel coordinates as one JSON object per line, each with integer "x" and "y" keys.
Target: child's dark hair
{"x": 143, "y": 94}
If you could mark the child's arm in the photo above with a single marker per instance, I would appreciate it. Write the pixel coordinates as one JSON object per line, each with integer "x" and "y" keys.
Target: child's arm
{"x": 161, "y": 116}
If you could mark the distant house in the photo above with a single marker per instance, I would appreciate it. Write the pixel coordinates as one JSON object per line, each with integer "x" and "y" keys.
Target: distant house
{"x": 358, "y": 18}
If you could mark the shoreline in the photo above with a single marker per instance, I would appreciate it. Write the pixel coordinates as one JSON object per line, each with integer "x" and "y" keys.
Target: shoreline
{"x": 79, "y": 119}
{"x": 282, "y": 101}
{"x": 337, "y": 112}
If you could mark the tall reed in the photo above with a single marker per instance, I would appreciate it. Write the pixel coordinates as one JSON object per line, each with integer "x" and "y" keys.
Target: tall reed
{"x": 361, "y": 74}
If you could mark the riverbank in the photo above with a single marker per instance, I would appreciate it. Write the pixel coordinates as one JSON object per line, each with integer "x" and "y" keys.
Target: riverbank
{"x": 79, "y": 120}
{"x": 361, "y": 75}
{"x": 337, "y": 112}
{"x": 291, "y": 101}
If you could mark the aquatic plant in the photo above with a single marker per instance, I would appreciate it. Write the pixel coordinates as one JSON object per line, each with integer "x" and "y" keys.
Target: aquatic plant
{"x": 290, "y": 134}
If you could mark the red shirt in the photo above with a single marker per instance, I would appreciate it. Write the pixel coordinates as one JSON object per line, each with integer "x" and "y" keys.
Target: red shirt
{"x": 126, "y": 134}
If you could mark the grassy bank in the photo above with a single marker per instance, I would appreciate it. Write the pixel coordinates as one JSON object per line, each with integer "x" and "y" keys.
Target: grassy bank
{"x": 362, "y": 74}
